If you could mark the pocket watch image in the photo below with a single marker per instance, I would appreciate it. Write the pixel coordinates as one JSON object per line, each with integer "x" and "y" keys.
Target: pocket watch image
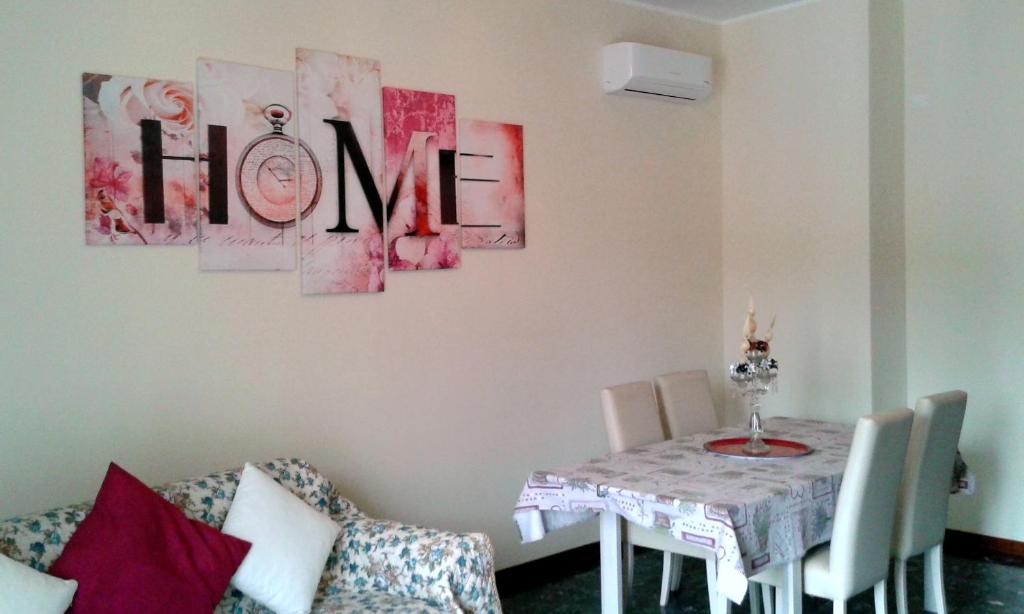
{"x": 266, "y": 174}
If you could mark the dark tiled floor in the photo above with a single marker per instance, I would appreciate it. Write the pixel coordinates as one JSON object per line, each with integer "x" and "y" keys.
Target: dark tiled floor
{"x": 973, "y": 586}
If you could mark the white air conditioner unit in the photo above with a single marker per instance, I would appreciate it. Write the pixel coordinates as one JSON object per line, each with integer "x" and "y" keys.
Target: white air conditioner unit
{"x": 643, "y": 70}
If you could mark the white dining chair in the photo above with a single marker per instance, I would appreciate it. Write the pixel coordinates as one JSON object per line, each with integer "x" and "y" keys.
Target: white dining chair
{"x": 924, "y": 494}
{"x": 631, "y": 419}
{"x": 686, "y": 407}
{"x": 857, "y": 558}
{"x": 685, "y": 401}
{"x": 631, "y": 416}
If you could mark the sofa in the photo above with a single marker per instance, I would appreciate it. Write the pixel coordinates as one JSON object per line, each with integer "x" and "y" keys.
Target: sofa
{"x": 376, "y": 565}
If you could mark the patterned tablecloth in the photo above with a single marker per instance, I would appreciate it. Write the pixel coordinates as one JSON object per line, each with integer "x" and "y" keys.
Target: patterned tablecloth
{"x": 752, "y": 513}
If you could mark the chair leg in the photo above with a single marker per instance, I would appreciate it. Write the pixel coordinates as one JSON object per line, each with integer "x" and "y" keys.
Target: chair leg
{"x": 900, "y": 573}
{"x": 934, "y": 591}
{"x": 766, "y": 597}
{"x": 711, "y": 568}
{"x": 754, "y": 598}
{"x": 677, "y": 571}
{"x": 722, "y": 605}
{"x": 627, "y": 570}
{"x": 880, "y": 607}
{"x": 666, "y": 578}
{"x": 839, "y": 606}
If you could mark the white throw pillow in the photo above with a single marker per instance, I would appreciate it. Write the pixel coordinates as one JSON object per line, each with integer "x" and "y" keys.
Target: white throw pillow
{"x": 290, "y": 543}
{"x": 23, "y": 589}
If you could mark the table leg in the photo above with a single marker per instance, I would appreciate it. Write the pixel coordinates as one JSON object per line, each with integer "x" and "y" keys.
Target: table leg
{"x": 934, "y": 592}
{"x": 611, "y": 564}
{"x": 722, "y": 605}
{"x": 790, "y": 596}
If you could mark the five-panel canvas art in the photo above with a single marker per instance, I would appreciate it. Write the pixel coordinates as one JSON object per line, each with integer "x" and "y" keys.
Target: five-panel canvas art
{"x": 362, "y": 177}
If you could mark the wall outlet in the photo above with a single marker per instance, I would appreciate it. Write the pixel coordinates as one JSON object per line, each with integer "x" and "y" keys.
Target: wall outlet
{"x": 967, "y": 483}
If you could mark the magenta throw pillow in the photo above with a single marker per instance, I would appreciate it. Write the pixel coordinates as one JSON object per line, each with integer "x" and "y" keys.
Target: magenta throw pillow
{"x": 136, "y": 552}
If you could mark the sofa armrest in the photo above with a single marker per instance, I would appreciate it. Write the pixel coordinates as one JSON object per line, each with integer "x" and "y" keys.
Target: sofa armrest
{"x": 451, "y": 570}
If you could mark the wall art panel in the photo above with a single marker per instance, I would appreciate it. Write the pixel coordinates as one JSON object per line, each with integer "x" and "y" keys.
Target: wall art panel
{"x": 492, "y": 185}
{"x": 139, "y": 161}
{"x": 339, "y": 108}
{"x": 248, "y": 175}
{"x": 421, "y": 161}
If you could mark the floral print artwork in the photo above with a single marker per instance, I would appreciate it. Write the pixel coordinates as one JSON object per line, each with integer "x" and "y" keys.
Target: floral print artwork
{"x": 253, "y": 106}
{"x": 376, "y": 565}
{"x": 493, "y": 192}
{"x": 342, "y": 241}
{"x": 114, "y": 110}
{"x": 419, "y": 127}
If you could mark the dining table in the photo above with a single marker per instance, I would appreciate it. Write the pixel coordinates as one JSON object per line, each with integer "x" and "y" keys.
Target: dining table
{"x": 752, "y": 512}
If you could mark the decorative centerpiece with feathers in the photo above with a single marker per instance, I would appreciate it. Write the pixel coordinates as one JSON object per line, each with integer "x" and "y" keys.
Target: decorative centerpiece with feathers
{"x": 755, "y": 377}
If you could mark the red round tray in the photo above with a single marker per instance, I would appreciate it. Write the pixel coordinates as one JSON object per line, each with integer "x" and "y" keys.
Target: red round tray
{"x": 777, "y": 448}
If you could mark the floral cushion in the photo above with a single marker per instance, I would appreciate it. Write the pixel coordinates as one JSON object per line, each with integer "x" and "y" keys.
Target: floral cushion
{"x": 375, "y": 602}
{"x": 363, "y": 602}
{"x": 378, "y": 564}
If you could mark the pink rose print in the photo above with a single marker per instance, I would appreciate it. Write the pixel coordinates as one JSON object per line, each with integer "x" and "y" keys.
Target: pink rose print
{"x": 177, "y": 190}
{"x": 363, "y": 269}
{"x": 113, "y": 110}
{"x": 171, "y": 103}
{"x": 111, "y": 221}
{"x": 131, "y": 107}
{"x": 110, "y": 177}
{"x": 445, "y": 251}
{"x": 373, "y": 244}
{"x": 397, "y": 264}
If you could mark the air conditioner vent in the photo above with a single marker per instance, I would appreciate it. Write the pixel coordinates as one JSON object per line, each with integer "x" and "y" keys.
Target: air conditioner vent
{"x": 665, "y": 74}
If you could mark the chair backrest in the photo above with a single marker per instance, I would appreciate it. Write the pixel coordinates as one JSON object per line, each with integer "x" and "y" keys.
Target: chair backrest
{"x": 631, "y": 416}
{"x": 685, "y": 401}
{"x": 866, "y": 507}
{"x": 924, "y": 494}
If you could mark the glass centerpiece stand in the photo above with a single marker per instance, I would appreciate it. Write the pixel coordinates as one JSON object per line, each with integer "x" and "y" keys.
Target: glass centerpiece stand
{"x": 755, "y": 378}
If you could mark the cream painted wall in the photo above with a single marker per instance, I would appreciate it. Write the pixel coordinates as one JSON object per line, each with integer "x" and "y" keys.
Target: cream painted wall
{"x": 873, "y": 151}
{"x": 429, "y": 403}
{"x": 965, "y": 220}
{"x": 795, "y": 201}
{"x": 887, "y": 227}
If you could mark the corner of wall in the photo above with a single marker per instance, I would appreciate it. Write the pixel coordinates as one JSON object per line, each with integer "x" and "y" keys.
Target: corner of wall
{"x": 887, "y": 208}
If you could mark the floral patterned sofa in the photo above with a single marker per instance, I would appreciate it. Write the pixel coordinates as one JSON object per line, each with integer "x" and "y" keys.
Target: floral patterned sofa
{"x": 376, "y": 565}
